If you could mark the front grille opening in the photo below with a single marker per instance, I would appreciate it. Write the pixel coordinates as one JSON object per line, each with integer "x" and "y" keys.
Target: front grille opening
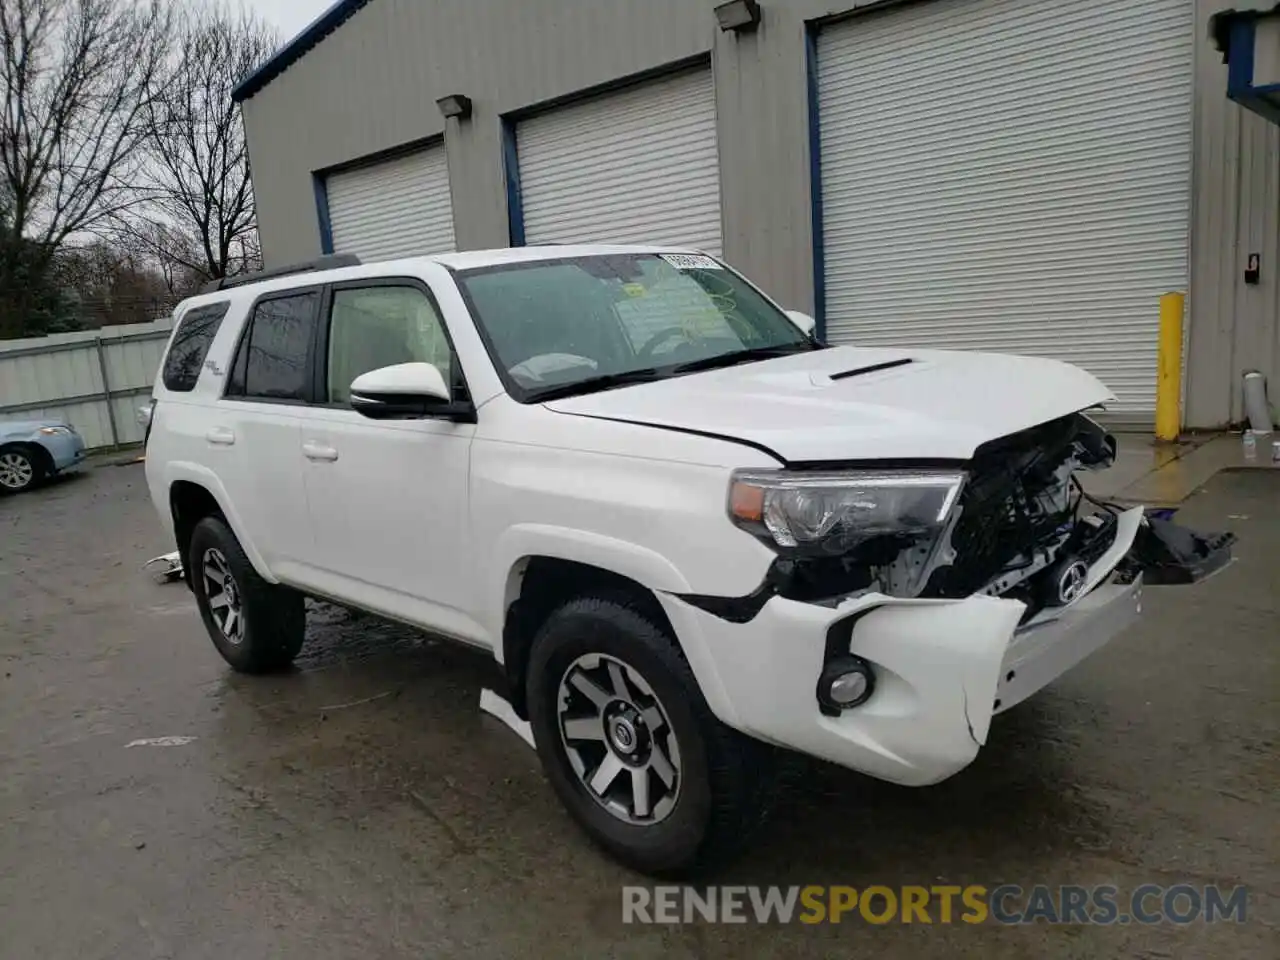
{"x": 1005, "y": 512}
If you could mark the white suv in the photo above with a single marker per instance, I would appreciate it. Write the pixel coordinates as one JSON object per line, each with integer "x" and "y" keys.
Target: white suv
{"x": 688, "y": 531}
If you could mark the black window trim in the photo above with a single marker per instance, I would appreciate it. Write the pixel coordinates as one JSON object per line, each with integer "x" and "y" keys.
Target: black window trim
{"x": 320, "y": 365}
{"x": 222, "y": 308}
{"x": 239, "y": 355}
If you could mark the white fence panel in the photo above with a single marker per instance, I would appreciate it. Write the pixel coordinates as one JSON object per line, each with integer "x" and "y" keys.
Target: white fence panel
{"x": 93, "y": 379}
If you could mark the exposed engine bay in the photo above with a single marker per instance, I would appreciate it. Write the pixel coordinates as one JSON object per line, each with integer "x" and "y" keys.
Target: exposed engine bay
{"x": 1023, "y": 520}
{"x": 1023, "y": 528}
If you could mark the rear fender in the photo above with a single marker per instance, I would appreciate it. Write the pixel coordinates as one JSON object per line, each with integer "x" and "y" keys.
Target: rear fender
{"x": 204, "y": 477}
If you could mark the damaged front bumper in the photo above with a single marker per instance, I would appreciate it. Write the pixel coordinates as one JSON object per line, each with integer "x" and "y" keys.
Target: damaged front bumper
{"x": 1044, "y": 650}
{"x": 942, "y": 668}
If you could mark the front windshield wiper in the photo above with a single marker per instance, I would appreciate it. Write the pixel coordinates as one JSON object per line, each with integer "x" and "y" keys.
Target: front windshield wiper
{"x": 649, "y": 374}
{"x": 744, "y": 356}
{"x": 595, "y": 384}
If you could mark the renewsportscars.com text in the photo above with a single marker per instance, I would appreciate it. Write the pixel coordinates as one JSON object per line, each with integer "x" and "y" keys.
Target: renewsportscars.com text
{"x": 941, "y": 904}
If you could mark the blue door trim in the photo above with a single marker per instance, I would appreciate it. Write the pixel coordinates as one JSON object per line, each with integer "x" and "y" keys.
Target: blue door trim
{"x": 511, "y": 172}
{"x": 320, "y": 184}
{"x": 815, "y": 183}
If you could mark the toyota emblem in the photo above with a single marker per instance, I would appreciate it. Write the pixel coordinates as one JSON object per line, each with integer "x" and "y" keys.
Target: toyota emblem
{"x": 1071, "y": 583}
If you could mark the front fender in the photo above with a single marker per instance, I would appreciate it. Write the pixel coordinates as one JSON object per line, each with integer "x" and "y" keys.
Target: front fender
{"x": 646, "y": 567}
{"x": 518, "y": 543}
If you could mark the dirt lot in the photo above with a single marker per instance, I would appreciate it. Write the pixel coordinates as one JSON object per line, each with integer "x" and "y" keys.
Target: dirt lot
{"x": 361, "y": 806}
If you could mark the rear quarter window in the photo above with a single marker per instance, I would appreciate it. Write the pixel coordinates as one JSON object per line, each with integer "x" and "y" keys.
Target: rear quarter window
{"x": 190, "y": 346}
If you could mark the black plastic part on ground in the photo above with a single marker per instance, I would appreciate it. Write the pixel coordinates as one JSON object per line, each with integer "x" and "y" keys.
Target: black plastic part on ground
{"x": 1171, "y": 554}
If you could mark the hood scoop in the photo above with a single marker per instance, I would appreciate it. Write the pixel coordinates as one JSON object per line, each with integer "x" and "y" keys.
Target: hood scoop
{"x": 873, "y": 368}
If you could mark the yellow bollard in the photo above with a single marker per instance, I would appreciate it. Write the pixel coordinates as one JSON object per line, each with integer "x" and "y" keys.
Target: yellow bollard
{"x": 1169, "y": 368}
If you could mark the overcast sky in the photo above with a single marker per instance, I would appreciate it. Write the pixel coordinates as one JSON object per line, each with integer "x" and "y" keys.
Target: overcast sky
{"x": 289, "y": 16}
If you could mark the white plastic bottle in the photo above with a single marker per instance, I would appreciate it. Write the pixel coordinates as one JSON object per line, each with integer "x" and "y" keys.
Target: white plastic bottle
{"x": 1250, "y": 446}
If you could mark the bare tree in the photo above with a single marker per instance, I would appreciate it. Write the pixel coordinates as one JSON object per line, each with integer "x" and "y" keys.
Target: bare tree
{"x": 105, "y": 285}
{"x": 171, "y": 250}
{"x": 77, "y": 78}
{"x": 201, "y": 204}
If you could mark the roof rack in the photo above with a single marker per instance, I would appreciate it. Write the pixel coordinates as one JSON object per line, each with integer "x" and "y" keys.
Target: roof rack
{"x": 331, "y": 262}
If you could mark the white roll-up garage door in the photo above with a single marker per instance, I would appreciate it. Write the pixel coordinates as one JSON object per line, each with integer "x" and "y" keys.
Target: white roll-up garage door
{"x": 1009, "y": 175}
{"x": 637, "y": 166}
{"x": 397, "y": 208}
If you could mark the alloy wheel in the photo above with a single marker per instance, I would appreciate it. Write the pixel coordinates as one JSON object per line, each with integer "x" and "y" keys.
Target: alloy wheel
{"x": 619, "y": 739}
{"x": 225, "y": 601}
{"x": 16, "y": 471}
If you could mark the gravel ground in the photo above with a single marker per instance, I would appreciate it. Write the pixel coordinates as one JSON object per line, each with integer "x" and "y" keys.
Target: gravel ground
{"x": 361, "y": 806}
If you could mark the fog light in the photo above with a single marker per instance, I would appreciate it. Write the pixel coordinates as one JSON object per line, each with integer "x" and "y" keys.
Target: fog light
{"x": 846, "y": 682}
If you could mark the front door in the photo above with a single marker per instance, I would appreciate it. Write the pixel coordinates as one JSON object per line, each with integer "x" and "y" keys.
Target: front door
{"x": 389, "y": 499}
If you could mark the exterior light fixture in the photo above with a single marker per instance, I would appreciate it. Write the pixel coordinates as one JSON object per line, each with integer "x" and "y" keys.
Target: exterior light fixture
{"x": 740, "y": 16}
{"x": 455, "y": 105}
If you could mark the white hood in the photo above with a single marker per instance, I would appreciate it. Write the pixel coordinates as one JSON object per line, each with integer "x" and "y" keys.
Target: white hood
{"x": 940, "y": 405}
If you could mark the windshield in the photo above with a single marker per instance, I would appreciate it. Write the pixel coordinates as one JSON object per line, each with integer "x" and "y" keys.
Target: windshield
{"x": 559, "y": 327}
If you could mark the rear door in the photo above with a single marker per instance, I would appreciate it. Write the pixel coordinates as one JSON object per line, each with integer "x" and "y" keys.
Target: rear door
{"x": 256, "y": 437}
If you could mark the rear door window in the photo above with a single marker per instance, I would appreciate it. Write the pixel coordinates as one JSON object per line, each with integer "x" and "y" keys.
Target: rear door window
{"x": 191, "y": 345}
{"x": 273, "y": 362}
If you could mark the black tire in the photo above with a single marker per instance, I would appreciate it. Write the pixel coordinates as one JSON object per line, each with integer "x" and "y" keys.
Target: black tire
{"x": 726, "y": 781}
{"x": 273, "y": 617}
{"x": 22, "y": 469}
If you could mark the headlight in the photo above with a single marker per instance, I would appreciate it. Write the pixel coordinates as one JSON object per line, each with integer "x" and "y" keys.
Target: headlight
{"x": 833, "y": 512}
{"x": 56, "y": 431}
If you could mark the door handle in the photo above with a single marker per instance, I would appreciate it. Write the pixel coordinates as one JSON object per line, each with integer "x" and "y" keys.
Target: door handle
{"x": 220, "y": 437}
{"x": 319, "y": 452}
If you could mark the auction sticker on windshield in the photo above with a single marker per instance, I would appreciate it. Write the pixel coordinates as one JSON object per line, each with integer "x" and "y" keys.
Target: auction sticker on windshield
{"x": 691, "y": 261}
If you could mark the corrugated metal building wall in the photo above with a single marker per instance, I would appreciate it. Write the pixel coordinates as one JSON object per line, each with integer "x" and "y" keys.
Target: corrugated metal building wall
{"x": 1039, "y": 206}
{"x": 371, "y": 86}
{"x": 62, "y": 377}
{"x": 1235, "y": 212}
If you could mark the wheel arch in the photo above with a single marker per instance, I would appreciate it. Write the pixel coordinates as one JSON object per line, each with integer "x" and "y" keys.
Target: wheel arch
{"x": 561, "y": 557}
{"x": 41, "y": 457}
{"x": 538, "y": 585}
{"x": 189, "y": 503}
{"x": 195, "y": 493}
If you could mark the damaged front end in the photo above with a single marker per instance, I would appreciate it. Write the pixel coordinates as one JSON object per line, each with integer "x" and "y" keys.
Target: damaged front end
{"x": 1014, "y": 523}
{"x": 912, "y": 603}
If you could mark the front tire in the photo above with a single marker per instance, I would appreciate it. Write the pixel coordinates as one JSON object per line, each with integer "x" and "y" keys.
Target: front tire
{"x": 20, "y": 470}
{"x": 256, "y": 626}
{"x": 631, "y": 747}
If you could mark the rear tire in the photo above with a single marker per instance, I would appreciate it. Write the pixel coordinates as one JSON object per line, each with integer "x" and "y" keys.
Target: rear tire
{"x": 256, "y": 626}
{"x": 609, "y": 689}
{"x": 20, "y": 469}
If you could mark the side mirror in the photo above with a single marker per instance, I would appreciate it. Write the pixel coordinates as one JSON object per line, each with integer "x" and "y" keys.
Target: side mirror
{"x": 404, "y": 391}
{"x": 805, "y": 322}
